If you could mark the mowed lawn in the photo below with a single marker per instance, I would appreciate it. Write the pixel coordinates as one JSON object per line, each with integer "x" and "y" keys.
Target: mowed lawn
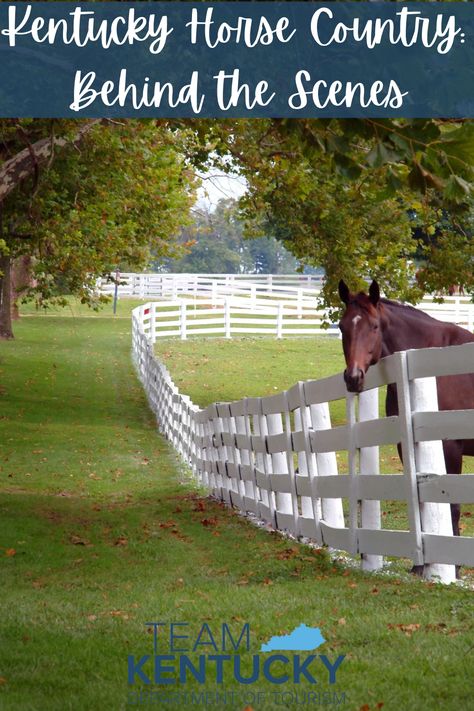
{"x": 102, "y": 532}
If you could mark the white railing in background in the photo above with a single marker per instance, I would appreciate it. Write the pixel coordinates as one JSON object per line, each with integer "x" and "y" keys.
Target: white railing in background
{"x": 210, "y": 285}
{"x": 231, "y": 317}
{"x": 259, "y": 290}
{"x": 275, "y": 457}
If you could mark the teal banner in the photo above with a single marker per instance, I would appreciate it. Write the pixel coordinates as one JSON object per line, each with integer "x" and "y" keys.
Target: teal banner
{"x": 237, "y": 59}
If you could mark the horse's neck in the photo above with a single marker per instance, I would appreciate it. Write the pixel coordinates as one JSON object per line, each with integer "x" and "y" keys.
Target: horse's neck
{"x": 404, "y": 330}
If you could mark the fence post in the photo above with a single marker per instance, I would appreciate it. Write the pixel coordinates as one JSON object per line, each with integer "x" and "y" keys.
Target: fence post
{"x": 279, "y": 464}
{"x": 352, "y": 462}
{"x": 253, "y": 295}
{"x": 326, "y": 462}
{"x": 227, "y": 324}
{"x": 182, "y": 321}
{"x": 429, "y": 457}
{"x": 153, "y": 322}
{"x": 299, "y": 303}
{"x": 279, "y": 329}
{"x": 369, "y": 464}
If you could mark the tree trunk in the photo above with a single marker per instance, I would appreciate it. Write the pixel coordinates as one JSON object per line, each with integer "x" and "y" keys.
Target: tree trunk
{"x": 21, "y": 280}
{"x": 6, "y": 331}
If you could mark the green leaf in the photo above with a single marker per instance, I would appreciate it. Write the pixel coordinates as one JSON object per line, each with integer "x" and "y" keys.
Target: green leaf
{"x": 457, "y": 189}
{"x": 346, "y": 166}
{"x": 380, "y": 155}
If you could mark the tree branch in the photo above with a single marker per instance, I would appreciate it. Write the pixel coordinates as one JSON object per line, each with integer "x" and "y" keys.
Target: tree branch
{"x": 24, "y": 163}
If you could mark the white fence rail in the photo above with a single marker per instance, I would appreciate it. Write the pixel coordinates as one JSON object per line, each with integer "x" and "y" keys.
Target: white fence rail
{"x": 215, "y": 285}
{"x": 257, "y": 291}
{"x": 230, "y": 317}
{"x": 276, "y": 456}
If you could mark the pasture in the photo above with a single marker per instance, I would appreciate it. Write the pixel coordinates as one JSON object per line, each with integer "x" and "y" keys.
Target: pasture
{"x": 101, "y": 531}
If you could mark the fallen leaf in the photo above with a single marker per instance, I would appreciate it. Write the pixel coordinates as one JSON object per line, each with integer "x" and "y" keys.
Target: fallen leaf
{"x": 286, "y": 554}
{"x": 10, "y": 552}
{"x": 209, "y": 521}
{"x": 341, "y": 621}
{"x": 407, "y": 629}
{"x": 78, "y": 541}
{"x": 121, "y": 541}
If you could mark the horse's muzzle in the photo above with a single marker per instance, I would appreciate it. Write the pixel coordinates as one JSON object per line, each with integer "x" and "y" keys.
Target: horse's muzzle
{"x": 354, "y": 380}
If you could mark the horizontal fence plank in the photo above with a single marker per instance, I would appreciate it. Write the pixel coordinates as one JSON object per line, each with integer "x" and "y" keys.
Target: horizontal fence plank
{"x": 428, "y": 362}
{"x": 370, "y": 433}
{"x": 307, "y": 528}
{"x": 280, "y": 483}
{"x": 386, "y": 542}
{"x": 333, "y": 440}
{"x": 458, "y": 550}
{"x": 335, "y": 537}
{"x": 325, "y": 390}
{"x": 449, "y": 488}
{"x": 285, "y": 522}
{"x": 389, "y": 487}
{"x": 447, "y": 424}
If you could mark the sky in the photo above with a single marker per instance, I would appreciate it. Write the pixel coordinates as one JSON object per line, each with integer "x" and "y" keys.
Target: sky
{"x": 217, "y": 185}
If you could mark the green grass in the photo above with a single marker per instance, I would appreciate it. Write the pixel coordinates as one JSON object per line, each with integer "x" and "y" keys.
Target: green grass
{"x": 101, "y": 531}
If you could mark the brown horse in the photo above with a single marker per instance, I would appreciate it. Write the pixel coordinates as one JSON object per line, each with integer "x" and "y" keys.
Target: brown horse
{"x": 373, "y": 328}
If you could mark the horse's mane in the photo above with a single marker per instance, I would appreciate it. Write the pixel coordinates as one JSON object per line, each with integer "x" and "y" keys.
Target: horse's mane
{"x": 411, "y": 310}
{"x": 363, "y": 301}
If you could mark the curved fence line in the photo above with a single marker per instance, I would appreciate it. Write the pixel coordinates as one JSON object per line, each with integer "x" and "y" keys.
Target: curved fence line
{"x": 275, "y": 457}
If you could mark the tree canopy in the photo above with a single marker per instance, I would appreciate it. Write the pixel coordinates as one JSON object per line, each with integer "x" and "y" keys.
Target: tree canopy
{"x": 360, "y": 197}
{"x": 103, "y": 195}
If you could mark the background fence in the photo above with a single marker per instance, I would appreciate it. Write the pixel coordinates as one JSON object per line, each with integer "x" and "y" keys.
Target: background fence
{"x": 276, "y": 456}
{"x": 254, "y": 293}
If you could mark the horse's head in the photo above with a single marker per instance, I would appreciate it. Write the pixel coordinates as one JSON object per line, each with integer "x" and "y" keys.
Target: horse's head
{"x": 361, "y": 328}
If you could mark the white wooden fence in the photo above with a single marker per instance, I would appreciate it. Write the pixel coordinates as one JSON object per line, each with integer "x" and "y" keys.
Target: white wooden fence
{"x": 258, "y": 291}
{"x": 276, "y": 456}
{"x": 170, "y": 286}
{"x": 230, "y": 317}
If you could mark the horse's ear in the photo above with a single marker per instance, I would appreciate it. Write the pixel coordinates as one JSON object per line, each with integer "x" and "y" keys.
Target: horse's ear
{"x": 344, "y": 292}
{"x": 374, "y": 293}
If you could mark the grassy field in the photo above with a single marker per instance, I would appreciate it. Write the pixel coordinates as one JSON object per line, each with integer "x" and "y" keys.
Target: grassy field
{"x": 101, "y": 532}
